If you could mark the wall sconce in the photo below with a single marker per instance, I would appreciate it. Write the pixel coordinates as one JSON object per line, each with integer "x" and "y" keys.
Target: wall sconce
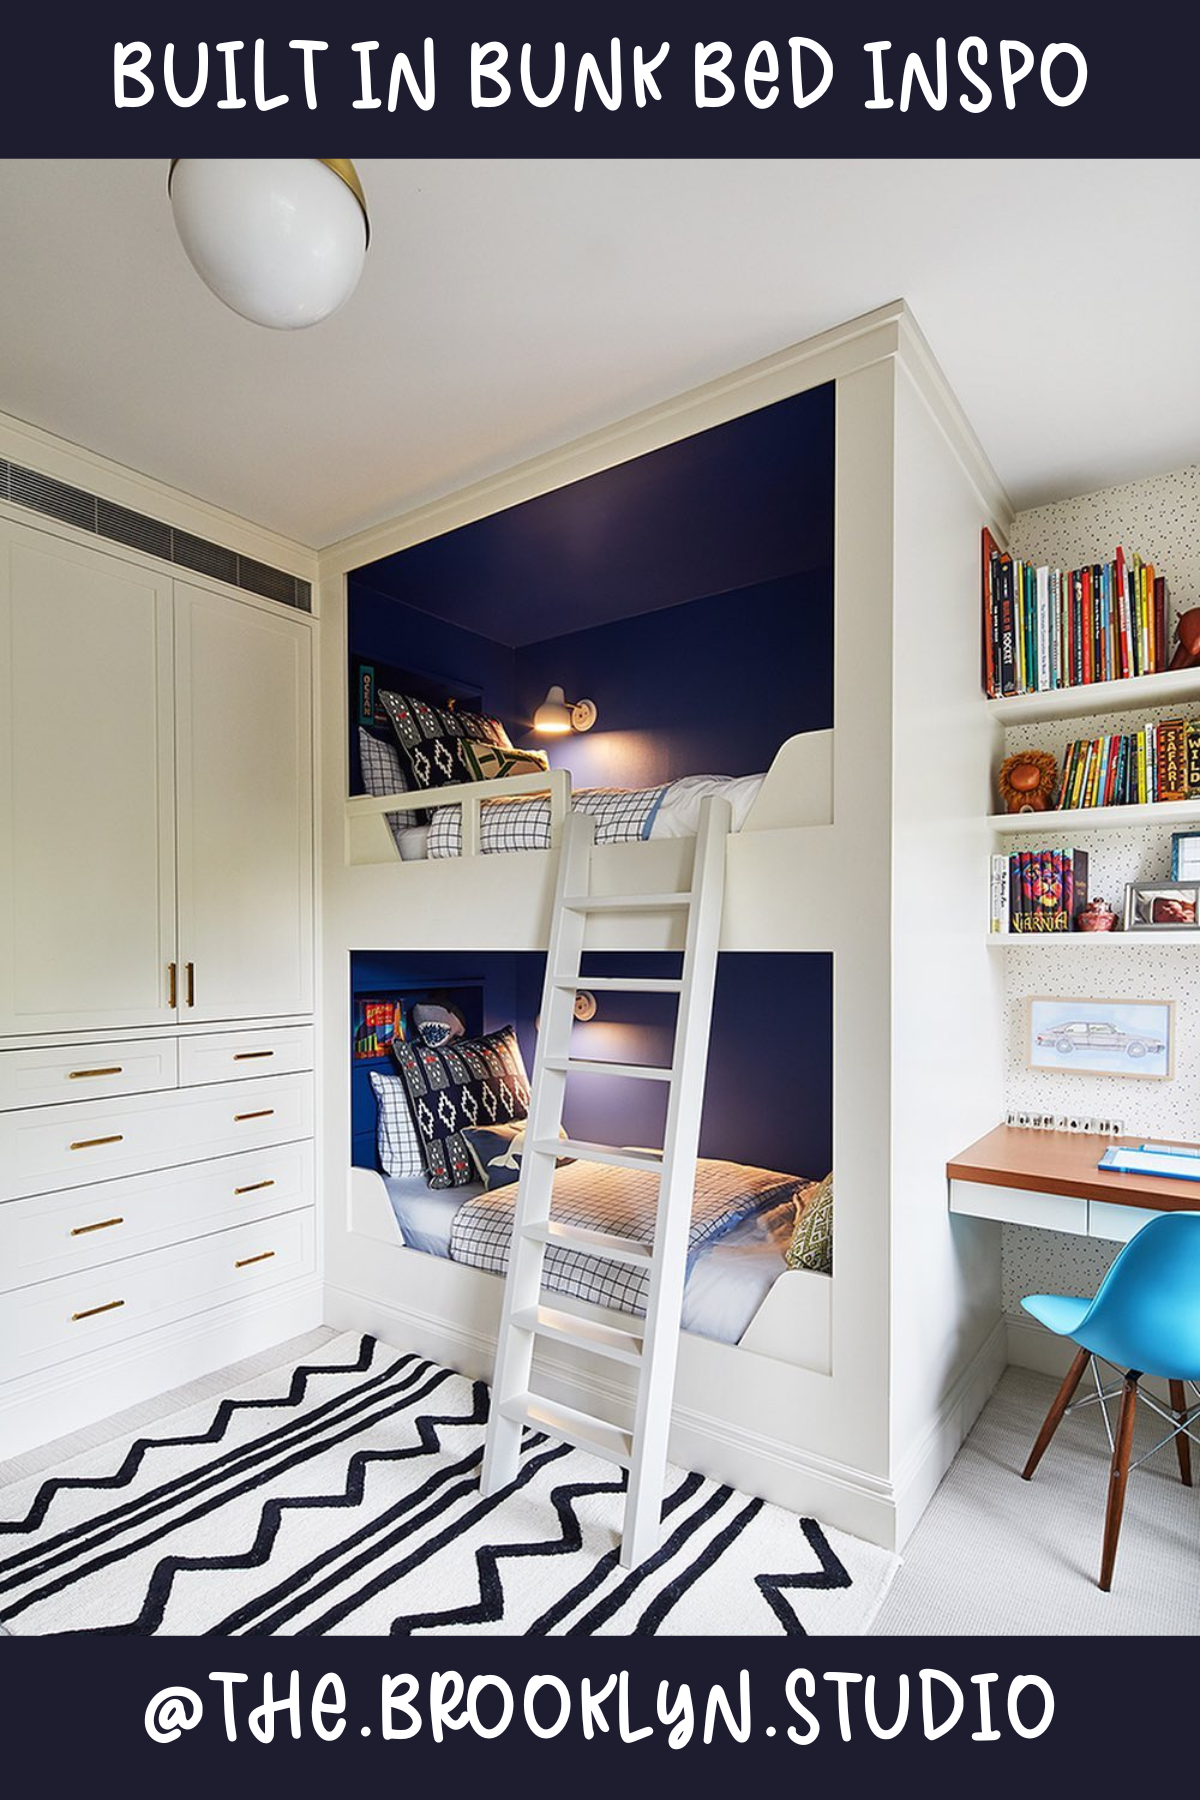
{"x": 585, "y": 1008}
{"x": 558, "y": 715}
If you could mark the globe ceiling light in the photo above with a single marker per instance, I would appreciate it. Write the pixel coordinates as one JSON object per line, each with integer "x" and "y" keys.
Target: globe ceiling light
{"x": 281, "y": 241}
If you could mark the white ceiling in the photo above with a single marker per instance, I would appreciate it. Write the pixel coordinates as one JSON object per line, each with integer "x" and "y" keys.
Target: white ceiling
{"x": 510, "y": 306}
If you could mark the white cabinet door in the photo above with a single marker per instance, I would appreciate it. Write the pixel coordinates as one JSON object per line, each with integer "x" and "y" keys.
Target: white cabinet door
{"x": 244, "y": 754}
{"x": 87, "y": 877}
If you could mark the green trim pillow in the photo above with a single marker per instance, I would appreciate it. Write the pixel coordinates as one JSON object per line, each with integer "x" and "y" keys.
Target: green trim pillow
{"x": 812, "y": 1241}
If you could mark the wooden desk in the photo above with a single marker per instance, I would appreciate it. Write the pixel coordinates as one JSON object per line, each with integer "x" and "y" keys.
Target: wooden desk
{"x": 1050, "y": 1179}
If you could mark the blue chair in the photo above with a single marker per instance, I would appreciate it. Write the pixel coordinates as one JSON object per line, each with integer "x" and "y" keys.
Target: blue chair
{"x": 1145, "y": 1320}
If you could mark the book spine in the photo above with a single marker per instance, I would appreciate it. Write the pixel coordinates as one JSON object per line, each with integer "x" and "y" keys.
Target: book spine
{"x": 1042, "y": 580}
{"x": 1172, "y": 759}
{"x": 1193, "y": 760}
{"x": 1014, "y": 890}
{"x": 1056, "y": 909}
{"x": 1161, "y": 646}
{"x": 988, "y": 552}
{"x": 1008, "y": 638}
{"x": 1025, "y": 901}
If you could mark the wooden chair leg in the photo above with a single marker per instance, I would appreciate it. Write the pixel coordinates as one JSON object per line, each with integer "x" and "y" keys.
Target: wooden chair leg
{"x": 1053, "y": 1418}
{"x": 1118, "y": 1476}
{"x": 1182, "y": 1442}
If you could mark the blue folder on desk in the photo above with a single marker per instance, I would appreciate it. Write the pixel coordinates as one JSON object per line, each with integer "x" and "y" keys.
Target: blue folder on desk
{"x": 1171, "y": 1164}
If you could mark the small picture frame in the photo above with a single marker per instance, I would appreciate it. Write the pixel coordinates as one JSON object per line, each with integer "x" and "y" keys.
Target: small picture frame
{"x": 1102, "y": 1037}
{"x": 1185, "y": 856}
{"x": 1163, "y": 906}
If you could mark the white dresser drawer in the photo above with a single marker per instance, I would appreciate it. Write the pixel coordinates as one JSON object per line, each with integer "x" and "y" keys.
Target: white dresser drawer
{"x": 83, "y": 1228}
{"x": 66, "y": 1146}
{"x": 78, "y": 1315}
{"x": 74, "y": 1072}
{"x": 242, "y": 1055}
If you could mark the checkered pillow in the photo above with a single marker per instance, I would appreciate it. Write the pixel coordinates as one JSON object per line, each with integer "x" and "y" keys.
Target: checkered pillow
{"x": 383, "y": 773}
{"x": 475, "y": 1081}
{"x": 622, "y": 815}
{"x": 396, "y": 1137}
{"x": 432, "y": 741}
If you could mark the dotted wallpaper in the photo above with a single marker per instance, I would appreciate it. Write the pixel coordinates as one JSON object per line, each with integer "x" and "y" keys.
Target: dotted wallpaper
{"x": 1160, "y": 518}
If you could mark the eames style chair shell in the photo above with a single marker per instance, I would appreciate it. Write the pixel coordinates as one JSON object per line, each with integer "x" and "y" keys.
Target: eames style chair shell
{"x": 1145, "y": 1320}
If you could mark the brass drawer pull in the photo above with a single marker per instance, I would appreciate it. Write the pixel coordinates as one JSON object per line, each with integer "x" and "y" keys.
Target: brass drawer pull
{"x": 266, "y": 1113}
{"x": 254, "y": 1187}
{"x": 172, "y": 988}
{"x": 265, "y": 1256}
{"x": 88, "y": 1074}
{"x": 91, "y": 1143}
{"x": 93, "y": 1310}
{"x": 191, "y": 983}
{"x": 100, "y": 1225}
{"x": 250, "y": 1055}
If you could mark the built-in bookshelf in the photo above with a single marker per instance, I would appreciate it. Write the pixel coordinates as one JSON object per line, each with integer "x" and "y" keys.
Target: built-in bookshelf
{"x": 1097, "y": 818}
{"x": 1173, "y": 687}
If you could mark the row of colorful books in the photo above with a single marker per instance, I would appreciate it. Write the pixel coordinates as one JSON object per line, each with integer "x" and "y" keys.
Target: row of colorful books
{"x": 1133, "y": 768}
{"x": 378, "y": 1025}
{"x": 1038, "y": 890}
{"x": 1047, "y": 628}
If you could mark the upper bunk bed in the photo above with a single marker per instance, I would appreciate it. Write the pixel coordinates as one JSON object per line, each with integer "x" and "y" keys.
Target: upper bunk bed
{"x": 688, "y": 593}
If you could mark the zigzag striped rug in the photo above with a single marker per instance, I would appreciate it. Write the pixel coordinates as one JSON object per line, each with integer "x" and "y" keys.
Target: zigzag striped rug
{"x": 342, "y": 1496}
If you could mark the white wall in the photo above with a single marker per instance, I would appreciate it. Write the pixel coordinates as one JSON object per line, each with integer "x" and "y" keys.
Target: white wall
{"x": 1160, "y": 518}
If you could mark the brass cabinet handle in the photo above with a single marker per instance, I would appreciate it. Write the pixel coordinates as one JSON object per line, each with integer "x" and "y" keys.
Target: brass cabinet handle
{"x": 91, "y": 1311}
{"x": 265, "y": 1113}
{"x": 250, "y": 1055}
{"x": 191, "y": 983}
{"x": 100, "y": 1225}
{"x": 91, "y": 1143}
{"x": 88, "y": 1074}
{"x": 264, "y": 1256}
{"x": 172, "y": 994}
{"x": 253, "y": 1187}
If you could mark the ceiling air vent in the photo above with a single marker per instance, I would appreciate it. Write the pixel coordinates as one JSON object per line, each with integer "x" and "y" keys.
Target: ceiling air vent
{"x": 91, "y": 512}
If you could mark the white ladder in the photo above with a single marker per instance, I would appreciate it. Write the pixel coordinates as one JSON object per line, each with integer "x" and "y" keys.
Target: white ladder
{"x": 650, "y": 1345}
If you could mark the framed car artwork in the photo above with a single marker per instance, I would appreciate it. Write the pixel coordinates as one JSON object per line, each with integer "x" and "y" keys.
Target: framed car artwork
{"x": 1102, "y": 1037}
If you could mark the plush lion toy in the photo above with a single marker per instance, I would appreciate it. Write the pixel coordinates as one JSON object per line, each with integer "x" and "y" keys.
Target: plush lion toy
{"x": 1027, "y": 781}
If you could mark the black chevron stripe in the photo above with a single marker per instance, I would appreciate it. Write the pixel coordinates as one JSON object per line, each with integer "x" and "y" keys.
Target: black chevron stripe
{"x": 677, "y": 1587}
{"x": 134, "y": 1456}
{"x": 490, "y": 1605}
{"x": 575, "y": 1596}
{"x": 158, "y": 1592}
{"x": 611, "y": 1603}
{"x": 254, "y": 1479}
{"x": 388, "y": 1577}
{"x": 831, "y": 1574}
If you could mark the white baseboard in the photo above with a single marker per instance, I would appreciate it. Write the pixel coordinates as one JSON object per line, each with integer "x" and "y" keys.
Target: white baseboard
{"x": 926, "y": 1461}
{"x": 39, "y": 1408}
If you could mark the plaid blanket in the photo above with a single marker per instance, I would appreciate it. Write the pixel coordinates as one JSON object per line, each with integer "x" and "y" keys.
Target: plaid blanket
{"x": 621, "y": 1201}
{"x": 623, "y": 816}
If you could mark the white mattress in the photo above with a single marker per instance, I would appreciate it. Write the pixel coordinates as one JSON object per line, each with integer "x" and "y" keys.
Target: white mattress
{"x": 726, "y": 1284}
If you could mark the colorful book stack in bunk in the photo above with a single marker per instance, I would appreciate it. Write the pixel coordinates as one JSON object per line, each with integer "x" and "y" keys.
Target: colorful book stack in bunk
{"x": 1038, "y": 891}
{"x": 1047, "y": 628}
{"x": 1133, "y": 768}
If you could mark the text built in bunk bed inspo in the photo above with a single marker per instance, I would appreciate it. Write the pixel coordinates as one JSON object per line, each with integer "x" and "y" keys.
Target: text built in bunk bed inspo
{"x": 449, "y": 1133}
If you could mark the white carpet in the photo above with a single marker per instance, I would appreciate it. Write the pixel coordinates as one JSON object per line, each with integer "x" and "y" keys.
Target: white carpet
{"x": 342, "y": 1497}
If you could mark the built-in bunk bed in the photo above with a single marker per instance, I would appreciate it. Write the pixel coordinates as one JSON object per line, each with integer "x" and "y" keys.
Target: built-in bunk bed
{"x": 714, "y": 578}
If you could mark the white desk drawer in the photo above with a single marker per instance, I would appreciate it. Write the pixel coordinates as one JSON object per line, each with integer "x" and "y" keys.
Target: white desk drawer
{"x": 80, "y": 1314}
{"x": 83, "y": 1228}
{"x": 75, "y": 1072}
{"x": 243, "y": 1055}
{"x": 1020, "y": 1206}
{"x": 67, "y": 1146}
{"x": 1119, "y": 1223}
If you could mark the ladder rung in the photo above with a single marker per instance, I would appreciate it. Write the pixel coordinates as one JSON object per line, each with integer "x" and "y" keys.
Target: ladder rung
{"x": 571, "y": 1065}
{"x": 620, "y": 984}
{"x": 579, "y": 1428}
{"x": 587, "y": 903}
{"x": 585, "y": 1334}
{"x": 599, "y": 1153}
{"x": 559, "y": 1236}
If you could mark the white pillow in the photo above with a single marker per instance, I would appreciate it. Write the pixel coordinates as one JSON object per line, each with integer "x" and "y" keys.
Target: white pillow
{"x": 396, "y": 1135}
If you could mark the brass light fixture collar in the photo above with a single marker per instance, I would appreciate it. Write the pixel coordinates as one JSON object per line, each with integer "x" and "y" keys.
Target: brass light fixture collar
{"x": 341, "y": 166}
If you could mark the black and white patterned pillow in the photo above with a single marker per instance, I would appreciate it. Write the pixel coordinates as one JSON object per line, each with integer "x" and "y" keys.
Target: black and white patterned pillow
{"x": 432, "y": 740}
{"x": 396, "y": 1137}
{"x": 475, "y": 1081}
{"x": 383, "y": 773}
{"x": 622, "y": 815}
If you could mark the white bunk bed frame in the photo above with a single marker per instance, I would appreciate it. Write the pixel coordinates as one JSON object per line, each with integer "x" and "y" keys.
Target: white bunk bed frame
{"x": 849, "y": 1394}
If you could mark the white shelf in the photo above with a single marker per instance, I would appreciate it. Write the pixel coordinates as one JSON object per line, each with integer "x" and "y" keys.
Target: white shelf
{"x": 1172, "y": 687}
{"x": 1098, "y": 818}
{"x": 1083, "y": 940}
